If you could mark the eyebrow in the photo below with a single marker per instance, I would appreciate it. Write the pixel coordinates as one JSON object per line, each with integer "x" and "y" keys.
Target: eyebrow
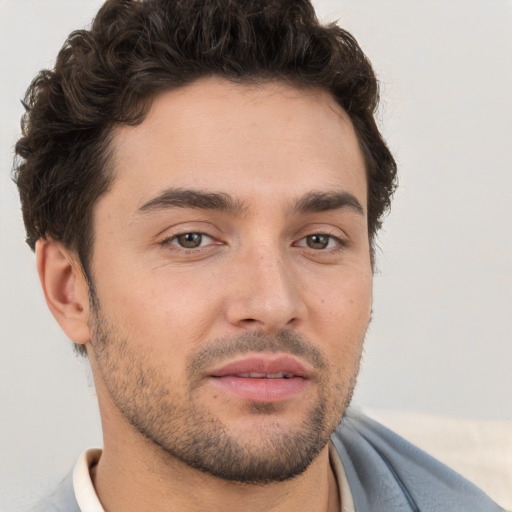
{"x": 312, "y": 202}
{"x": 316, "y": 202}
{"x": 197, "y": 199}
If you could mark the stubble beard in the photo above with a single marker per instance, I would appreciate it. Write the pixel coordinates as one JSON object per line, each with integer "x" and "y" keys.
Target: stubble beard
{"x": 186, "y": 431}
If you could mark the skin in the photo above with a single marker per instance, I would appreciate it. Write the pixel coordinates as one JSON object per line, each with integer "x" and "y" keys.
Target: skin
{"x": 260, "y": 271}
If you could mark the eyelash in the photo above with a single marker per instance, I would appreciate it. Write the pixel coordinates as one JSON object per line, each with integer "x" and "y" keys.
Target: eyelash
{"x": 170, "y": 241}
{"x": 340, "y": 244}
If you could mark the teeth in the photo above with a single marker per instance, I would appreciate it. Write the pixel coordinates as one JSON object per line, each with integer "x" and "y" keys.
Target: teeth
{"x": 279, "y": 375}
{"x": 255, "y": 375}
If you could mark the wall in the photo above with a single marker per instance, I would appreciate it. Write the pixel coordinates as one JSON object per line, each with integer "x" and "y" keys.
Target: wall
{"x": 440, "y": 338}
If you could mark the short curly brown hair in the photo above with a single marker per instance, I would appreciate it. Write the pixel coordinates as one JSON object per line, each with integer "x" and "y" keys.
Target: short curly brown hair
{"x": 109, "y": 74}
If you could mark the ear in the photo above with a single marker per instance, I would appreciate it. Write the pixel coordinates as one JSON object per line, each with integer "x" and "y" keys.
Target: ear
{"x": 65, "y": 288}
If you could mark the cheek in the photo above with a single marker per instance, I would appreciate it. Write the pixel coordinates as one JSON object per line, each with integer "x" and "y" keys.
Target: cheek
{"x": 164, "y": 310}
{"x": 348, "y": 290}
{"x": 342, "y": 313}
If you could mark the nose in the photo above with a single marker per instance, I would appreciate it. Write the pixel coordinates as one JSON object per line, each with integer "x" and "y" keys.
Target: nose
{"x": 264, "y": 293}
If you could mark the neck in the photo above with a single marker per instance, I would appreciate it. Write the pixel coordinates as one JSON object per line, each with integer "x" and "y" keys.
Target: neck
{"x": 139, "y": 477}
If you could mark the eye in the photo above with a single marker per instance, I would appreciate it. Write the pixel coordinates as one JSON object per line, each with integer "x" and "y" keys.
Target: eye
{"x": 191, "y": 240}
{"x": 319, "y": 241}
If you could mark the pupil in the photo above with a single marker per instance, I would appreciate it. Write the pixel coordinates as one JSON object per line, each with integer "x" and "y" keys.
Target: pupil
{"x": 190, "y": 240}
{"x": 318, "y": 241}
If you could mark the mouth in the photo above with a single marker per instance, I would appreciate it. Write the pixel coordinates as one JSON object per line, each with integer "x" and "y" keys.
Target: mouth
{"x": 256, "y": 375}
{"x": 262, "y": 378}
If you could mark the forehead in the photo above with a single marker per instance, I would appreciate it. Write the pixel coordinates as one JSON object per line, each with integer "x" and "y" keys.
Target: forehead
{"x": 215, "y": 134}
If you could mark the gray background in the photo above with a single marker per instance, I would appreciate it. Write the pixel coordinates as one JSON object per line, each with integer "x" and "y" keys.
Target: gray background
{"x": 440, "y": 341}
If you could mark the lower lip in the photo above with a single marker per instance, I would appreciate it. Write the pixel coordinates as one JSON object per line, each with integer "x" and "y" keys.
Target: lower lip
{"x": 261, "y": 390}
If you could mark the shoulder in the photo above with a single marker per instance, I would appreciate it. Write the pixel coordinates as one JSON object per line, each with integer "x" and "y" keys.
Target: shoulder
{"x": 386, "y": 472}
{"x": 62, "y": 499}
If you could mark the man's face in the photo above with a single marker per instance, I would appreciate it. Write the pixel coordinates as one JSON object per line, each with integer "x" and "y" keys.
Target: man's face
{"x": 232, "y": 277}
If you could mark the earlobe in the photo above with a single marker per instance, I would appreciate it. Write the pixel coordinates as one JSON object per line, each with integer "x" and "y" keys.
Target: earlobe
{"x": 65, "y": 288}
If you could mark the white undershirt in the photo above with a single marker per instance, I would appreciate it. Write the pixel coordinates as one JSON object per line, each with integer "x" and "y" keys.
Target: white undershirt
{"x": 88, "y": 500}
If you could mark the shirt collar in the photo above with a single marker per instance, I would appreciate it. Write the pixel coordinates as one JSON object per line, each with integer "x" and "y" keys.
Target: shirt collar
{"x": 85, "y": 493}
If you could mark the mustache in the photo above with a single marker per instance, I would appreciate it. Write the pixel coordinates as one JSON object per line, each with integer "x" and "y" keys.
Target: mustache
{"x": 285, "y": 341}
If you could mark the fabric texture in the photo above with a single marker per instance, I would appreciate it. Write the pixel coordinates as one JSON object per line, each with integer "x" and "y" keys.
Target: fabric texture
{"x": 385, "y": 472}
{"x": 61, "y": 500}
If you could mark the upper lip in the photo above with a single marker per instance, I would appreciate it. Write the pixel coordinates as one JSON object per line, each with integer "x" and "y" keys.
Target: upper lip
{"x": 263, "y": 364}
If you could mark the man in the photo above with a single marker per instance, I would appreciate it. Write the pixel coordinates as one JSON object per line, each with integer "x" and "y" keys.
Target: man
{"x": 203, "y": 182}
